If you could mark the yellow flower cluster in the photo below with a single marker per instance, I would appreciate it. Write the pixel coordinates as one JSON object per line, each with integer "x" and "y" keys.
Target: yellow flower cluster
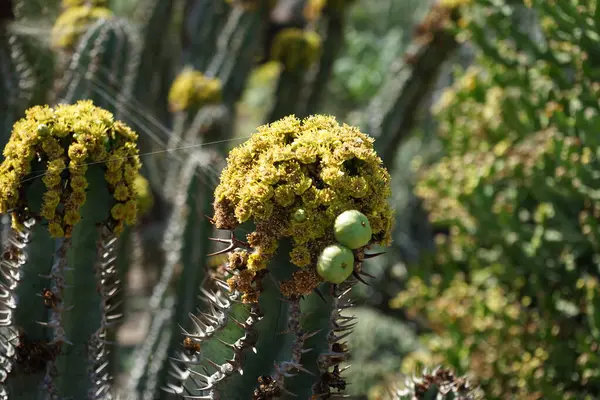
{"x": 296, "y": 48}
{"x": 292, "y": 179}
{"x": 65, "y": 140}
{"x": 143, "y": 192}
{"x": 313, "y": 9}
{"x": 192, "y": 89}
{"x": 79, "y": 3}
{"x": 73, "y": 22}
{"x": 454, "y": 3}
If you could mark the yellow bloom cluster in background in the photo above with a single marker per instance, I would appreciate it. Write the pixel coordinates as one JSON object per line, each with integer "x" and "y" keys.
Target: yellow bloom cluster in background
{"x": 143, "y": 191}
{"x": 62, "y": 142}
{"x": 296, "y": 49}
{"x": 74, "y": 21}
{"x": 454, "y": 3}
{"x": 79, "y": 3}
{"x": 292, "y": 179}
{"x": 313, "y": 9}
{"x": 192, "y": 90}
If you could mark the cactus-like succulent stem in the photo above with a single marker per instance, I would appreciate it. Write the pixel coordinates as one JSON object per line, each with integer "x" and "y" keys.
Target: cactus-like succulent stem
{"x": 13, "y": 259}
{"x": 16, "y": 83}
{"x": 195, "y": 368}
{"x": 413, "y": 84}
{"x": 67, "y": 304}
{"x": 58, "y": 286}
{"x": 329, "y": 362}
{"x": 144, "y": 354}
{"x": 107, "y": 58}
{"x": 108, "y": 285}
{"x": 286, "y": 369}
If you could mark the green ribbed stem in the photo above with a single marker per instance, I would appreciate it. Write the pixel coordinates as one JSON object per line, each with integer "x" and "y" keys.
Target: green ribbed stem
{"x": 83, "y": 320}
{"x": 193, "y": 202}
{"x": 269, "y": 330}
{"x": 66, "y": 267}
{"x": 215, "y": 351}
{"x": 31, "y": 307}
{"x": 103, "y": 67}
{"x": 315, "y": 317}
{"x": 288, "y": 94}
{"x": 201, "y": 28}
{"x": 31, "y": 310}
{"x": 235, "y": 56}
{"x": 153, "y": 16}
{"x": 333, "y": 41}
{"x": 15, "y": 82}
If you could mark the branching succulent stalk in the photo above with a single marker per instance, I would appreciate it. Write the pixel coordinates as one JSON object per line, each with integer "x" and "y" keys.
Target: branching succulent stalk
{"x": 291, "y": 180}
{"x": 71, "y": 168}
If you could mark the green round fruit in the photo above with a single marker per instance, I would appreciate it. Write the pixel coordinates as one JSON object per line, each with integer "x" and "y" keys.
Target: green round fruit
{"x": 300, "y": 215}
{"x": 335, "y": 263}
{"x": 352, "y": 229}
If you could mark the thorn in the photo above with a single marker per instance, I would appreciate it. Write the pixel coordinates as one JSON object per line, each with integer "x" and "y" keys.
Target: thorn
{"x": 300, "y": 367}
{"x": 225, "y": 343}
{"x": 362, "y": 272}
{"x": 357, "y": 276}
{"x": 238, "y": 323}
{"x": 318, "y": 292}
{"x": 311, "y": 334}
{"x": 342, "y": 328}
{"x": 334, "y": 289}
{"x": 232, "y": 241}
{"x": 342, "y": 336}
{"x": 228, "y": 270}
{"x": 344, "y": 293}
{"x": 368, "y": 256}
{"x": 288, "y": 392}
{"x": 214, "y": 364}
{"x": 224, "y": 251}
{"x": 345, "y": 368}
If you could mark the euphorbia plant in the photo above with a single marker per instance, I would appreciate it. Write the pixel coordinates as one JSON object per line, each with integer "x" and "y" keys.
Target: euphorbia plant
{"x": 313, "y": 195}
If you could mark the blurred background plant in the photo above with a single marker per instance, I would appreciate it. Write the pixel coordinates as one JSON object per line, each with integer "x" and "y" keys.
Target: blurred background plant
{"x": 485, "y": 116}
{"x": 511, "y": 293}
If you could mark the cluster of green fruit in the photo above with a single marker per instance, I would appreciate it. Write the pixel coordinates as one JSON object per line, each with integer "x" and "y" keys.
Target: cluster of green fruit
{"x": 352, "y": 231}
